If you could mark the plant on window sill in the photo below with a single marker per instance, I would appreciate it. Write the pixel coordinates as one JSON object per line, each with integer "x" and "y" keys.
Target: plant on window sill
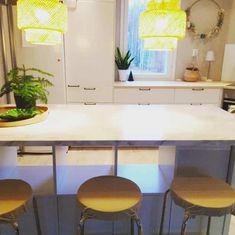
{"x": 123, "y": 63}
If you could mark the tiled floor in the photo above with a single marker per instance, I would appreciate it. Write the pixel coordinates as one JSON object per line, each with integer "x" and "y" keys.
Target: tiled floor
{"x": 103, "y": 157}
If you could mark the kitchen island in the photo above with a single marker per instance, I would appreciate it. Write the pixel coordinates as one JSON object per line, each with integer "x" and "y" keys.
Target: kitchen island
{"x": 198, "y": 136}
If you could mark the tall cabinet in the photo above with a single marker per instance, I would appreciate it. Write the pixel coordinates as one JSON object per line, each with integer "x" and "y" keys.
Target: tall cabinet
{"x": 89, "y": 52}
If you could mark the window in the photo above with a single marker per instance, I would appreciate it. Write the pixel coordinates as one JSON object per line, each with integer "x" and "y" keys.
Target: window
{"x": 147, "y": 65}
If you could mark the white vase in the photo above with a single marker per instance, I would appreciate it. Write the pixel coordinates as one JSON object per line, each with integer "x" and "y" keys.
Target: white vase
{"x": 123, "y": 74}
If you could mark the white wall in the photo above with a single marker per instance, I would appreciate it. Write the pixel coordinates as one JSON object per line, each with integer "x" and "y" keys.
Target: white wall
{"x": 204, "y": 16}
{"x": 231, "y": 25}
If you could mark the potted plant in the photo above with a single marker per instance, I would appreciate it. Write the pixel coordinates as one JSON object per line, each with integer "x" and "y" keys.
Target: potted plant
{"x": 123, "y": 63}
{"x": 28, "y": 86}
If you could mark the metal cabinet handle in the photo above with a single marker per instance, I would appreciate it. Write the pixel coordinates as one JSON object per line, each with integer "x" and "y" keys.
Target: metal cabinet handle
{"x": 89, "y": 103}
{"x": 145, "y": 89}
{"x": 195, "y": 103}
{"x": 89, "y": 89}
{"x": 73, "y": 86}
{"x": 144, "y": 104}
{"x": 198, "y": 89}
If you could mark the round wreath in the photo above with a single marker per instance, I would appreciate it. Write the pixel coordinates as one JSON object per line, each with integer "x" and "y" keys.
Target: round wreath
{"x": 214, "y": 31}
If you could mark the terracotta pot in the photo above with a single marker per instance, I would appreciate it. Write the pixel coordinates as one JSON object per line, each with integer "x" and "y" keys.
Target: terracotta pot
{"x": 191, "y": 75}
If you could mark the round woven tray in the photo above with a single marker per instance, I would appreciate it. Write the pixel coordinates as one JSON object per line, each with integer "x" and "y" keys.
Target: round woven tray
{"x": 38, "y": 118}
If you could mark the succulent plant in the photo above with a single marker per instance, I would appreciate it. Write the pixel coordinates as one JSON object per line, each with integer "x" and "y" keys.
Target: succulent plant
{"x": 123, "y": 62}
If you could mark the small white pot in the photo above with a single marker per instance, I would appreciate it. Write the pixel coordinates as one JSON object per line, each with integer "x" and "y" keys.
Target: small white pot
{"x": 123, "y": 75}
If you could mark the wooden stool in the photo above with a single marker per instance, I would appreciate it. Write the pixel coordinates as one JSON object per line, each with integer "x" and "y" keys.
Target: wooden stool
{"x": 200, "y": 196}
{"x": 14, "y": 197}
{"x": 106, "y": 197}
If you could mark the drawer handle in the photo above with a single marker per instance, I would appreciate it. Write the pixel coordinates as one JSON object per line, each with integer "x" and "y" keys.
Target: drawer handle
{"x": 145, "y": 89}
{"x": 89, "y": 89}
{"x": 89, "y": 103}
{"x": 198, "y": 89}
{"x": 144, "y": 104}
{"x": 73, "y": 86}
{"x": 196, "y": 104}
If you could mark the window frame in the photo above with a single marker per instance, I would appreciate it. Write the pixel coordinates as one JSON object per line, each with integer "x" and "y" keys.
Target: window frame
{"x": 123, "y": 40}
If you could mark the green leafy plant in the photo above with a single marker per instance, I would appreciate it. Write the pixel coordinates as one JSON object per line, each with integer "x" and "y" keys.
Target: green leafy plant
{"x": 19, "y": 114}
{"x": 123, "y": 62}
{"x": 26, "y": 86}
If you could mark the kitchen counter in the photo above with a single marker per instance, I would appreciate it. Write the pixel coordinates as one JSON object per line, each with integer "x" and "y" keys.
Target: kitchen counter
{"x": 172, "y": 84}
{"x": 198, "y": 136}
{"x": 155, "y": 124}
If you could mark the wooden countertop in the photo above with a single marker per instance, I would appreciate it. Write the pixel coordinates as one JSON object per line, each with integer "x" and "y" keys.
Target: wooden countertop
{"x": 127, "y": 125}
{"x": 172, "y": 84}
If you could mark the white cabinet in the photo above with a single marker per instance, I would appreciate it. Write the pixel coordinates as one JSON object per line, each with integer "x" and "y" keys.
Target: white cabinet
{"x": 156, "y": 95}
{"x": 89, "y": 51}
{"x": 143, "y": 95}
{"x": 198, "y": 96}
{"x": 89, "y": 94}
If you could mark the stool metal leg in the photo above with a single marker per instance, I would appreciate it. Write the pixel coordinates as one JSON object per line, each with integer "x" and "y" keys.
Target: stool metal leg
{"x": 36, "y": 215}
{"x": 86, "y": 214}
{"x": 208, "y": 226}
{"x": 140, "y": 229}
{"x": 187, "y": 216}
{"x": 163, "y": 211}
{"x": 82, "y": 224}
{"x": 132, "y": 226}
{"x": 137, "y": 220}
{"x": 12, "y": 222}
{"x": 15, "y": 225}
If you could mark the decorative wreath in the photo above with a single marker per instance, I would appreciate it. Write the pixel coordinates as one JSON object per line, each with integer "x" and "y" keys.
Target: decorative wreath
{"x": 214, "y": 31}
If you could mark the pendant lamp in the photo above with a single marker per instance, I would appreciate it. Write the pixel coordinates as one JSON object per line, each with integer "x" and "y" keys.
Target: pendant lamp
{"x": 43, "y": 21}
{"x": 161, "y": 24}
{"x": 43, "y": 37}
{"x": 162, "y": 43}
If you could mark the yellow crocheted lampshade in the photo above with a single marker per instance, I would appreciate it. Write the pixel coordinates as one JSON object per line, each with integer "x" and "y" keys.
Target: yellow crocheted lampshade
{"x": 162, "y": 18}
{"x": 43, "y": 36}
{"x": 40, "y": 17}
{"x": 160, "y": 43}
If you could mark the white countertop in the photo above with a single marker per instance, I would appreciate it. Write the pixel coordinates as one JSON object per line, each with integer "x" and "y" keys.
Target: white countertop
{"x": 171, "y": 84}
{"x": 125, "y": 124}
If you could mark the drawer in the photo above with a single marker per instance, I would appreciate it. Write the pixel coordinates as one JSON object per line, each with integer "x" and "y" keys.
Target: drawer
{"x": 89, "y": 94}
{"x": 143, "y": 96}
{"x": 198, "y": 96}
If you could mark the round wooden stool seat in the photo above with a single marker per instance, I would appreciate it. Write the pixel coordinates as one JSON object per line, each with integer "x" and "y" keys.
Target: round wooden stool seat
{"x": 203, "y": 195}
{"x": 14, "y": 196}
{"x": 109, "y": 194}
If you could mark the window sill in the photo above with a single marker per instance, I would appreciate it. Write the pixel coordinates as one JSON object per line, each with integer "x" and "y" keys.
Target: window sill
{"x": 170, "y": 84}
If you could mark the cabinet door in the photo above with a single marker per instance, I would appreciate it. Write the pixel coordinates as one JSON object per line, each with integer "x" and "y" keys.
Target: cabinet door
{"x": 89, "y": 94}
{"x": 89, "y": 44}
{"x": 198, "y": 96}
{"x": 143, "y": 95}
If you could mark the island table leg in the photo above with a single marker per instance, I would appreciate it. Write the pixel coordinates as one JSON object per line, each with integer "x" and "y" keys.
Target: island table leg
{"x": 8, "y": 161}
